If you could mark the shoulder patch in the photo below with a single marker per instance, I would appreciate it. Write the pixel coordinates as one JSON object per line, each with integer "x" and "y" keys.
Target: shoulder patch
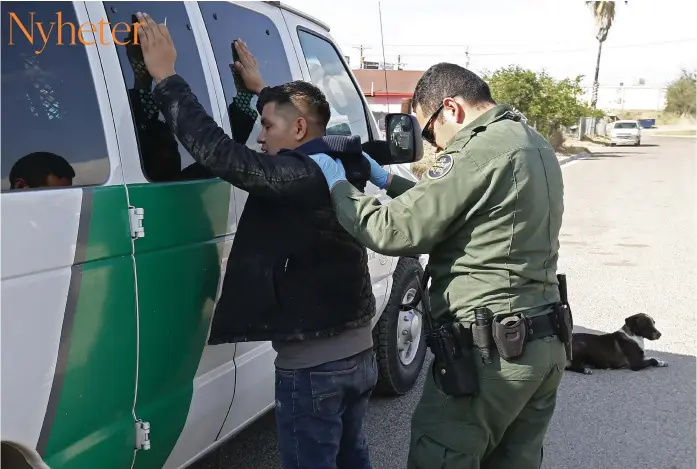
{"x": 440, "y": 167}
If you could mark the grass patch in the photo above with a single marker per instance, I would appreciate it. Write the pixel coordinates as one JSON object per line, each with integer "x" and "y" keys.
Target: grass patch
{"x": 574, "y": 150}
{"x": 597, "y": 139}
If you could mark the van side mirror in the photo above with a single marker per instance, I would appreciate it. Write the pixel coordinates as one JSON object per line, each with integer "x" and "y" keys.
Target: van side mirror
{"x": 404, "y": 137}
{"x": 403, "y": 145}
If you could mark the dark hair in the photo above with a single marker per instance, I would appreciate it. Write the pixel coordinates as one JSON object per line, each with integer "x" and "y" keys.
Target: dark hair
{"x": 305, "y": 97}
{"x": 445, "y": 80}
{"x": 35, "y": 167}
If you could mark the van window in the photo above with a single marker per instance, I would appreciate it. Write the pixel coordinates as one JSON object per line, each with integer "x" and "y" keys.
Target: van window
{"x": 327, "y": 71}
{"x": 626, "y": 125}
{"x": 163, "y": 158}
{"x": 52, "y": 129}
{"x": 226, "y": 22}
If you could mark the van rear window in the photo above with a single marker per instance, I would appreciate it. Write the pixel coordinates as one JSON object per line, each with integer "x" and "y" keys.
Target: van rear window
{"x": 52, "y": 130}
{"x": 626, "y": 125}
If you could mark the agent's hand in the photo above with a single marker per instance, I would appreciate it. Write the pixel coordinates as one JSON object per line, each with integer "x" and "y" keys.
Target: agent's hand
{"x": 247, "y": 67}
{"x": 378, "y": 176}
{"x": 159, "y": 53}
{"x": 333, "y": 170}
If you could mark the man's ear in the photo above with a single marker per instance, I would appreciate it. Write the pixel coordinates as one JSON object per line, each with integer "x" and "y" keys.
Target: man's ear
{"x": 300, "y": 128}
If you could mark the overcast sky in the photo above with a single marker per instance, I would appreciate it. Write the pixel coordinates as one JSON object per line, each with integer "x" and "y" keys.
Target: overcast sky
{"x": 650, "y": 40}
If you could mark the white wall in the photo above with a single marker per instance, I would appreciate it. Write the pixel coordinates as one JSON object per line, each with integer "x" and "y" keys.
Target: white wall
{"x": 628, "y": 97}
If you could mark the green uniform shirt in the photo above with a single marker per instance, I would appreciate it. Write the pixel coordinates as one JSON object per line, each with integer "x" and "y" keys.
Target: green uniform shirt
{"x": 488, "y": 212}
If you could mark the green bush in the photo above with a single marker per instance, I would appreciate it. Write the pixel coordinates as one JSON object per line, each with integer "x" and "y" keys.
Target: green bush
{"x": 681, "y": 95}
{"x": 548, "y": 104}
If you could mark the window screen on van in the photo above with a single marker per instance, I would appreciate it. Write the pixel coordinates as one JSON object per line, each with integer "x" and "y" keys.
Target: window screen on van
{"x": 52, "y": 132}
{"x": 327, "y": 71}
{"x": 226, "y": 22}
{"x": 163, "y": 158}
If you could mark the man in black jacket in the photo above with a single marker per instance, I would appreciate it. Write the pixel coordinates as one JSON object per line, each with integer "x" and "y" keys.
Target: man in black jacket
{"x": 294, "y": 275}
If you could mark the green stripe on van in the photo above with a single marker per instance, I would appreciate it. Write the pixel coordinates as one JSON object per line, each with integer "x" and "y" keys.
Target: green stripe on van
{"x": 90, "y": 422}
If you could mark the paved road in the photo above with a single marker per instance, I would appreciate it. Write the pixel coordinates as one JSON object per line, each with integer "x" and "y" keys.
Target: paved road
{"x": 628, "y": 246}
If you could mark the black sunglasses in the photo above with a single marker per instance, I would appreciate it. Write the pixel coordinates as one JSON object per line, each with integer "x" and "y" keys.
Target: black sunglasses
{"x": 427, "y": 132}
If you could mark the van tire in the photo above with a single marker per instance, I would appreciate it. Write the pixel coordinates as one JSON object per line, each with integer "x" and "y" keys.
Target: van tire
{"x": 395, "y": 378}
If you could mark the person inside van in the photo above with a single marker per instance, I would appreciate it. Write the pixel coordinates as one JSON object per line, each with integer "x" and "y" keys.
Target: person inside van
{"x": 41, "y": 169}
{"x": 294, "y": 275}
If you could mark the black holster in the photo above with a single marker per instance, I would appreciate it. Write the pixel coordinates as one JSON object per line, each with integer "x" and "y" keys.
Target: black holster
{"x": 454, "y": 365}
{"x": 565, "y": 320}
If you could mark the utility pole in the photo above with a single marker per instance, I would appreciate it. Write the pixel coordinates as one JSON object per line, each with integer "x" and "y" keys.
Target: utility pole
{"x": 361, "y": 48}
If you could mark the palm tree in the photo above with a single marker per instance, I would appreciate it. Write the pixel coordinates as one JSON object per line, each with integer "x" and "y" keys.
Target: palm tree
{"x": 604, "y": 14}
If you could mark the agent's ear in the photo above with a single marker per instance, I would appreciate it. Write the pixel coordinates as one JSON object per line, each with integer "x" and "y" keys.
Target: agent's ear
{"x": 453, "y": 110}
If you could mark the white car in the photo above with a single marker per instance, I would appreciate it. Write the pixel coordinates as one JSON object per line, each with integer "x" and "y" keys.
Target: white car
{"x": 625, "y": 132}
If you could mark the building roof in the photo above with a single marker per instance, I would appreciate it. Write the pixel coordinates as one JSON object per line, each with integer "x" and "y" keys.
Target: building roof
{"x": 400, "y": 83}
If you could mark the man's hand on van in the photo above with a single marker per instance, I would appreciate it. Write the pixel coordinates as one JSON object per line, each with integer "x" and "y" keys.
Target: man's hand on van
{"x": 158, "y": 49}
{"x": 248, "y": 68}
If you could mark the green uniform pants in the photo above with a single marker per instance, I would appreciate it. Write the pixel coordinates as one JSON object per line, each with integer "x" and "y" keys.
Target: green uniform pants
{"x": 501, "y": 428}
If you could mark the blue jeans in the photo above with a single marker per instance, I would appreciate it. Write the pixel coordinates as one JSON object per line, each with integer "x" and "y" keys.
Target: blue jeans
{"x": 320, "y": 413}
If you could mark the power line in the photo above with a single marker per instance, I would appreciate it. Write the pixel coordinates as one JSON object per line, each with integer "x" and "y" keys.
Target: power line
{"x": 541, "y": 51}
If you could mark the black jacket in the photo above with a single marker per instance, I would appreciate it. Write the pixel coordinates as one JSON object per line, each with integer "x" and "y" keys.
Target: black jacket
{"x": 293, "y": 271}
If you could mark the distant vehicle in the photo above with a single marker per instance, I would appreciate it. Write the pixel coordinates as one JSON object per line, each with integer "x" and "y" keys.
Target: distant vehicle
{"x": 647, "y": 123}
{"x": 625, "y": 132}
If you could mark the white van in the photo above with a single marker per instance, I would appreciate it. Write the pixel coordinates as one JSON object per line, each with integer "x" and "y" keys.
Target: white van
{"x": 109, "y": 278}
{"x": 625, "y": 132}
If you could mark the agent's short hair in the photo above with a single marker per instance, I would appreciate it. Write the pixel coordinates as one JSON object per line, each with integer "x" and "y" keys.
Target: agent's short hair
{"x": 445, "y": 80}
{"x": 303, "y": 96}
{"x": 35, "y": 168}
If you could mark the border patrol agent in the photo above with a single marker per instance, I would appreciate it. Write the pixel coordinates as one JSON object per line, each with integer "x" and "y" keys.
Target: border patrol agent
{"x": 488, "y": 212}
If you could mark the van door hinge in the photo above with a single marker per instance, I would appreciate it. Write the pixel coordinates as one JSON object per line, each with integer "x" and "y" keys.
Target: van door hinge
{"x": 135, "y": 216}
{"x": 142, "y": 435}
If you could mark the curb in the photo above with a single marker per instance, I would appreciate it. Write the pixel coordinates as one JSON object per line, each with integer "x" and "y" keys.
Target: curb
{"x": 571, "y": 158}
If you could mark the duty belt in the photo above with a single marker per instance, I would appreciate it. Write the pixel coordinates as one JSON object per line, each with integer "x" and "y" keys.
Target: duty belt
{"x": 539, "y": 327}
{"x": 510, "y": 333}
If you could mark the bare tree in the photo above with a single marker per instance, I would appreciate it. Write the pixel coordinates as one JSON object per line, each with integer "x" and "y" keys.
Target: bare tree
{"x": 604, "y": 14}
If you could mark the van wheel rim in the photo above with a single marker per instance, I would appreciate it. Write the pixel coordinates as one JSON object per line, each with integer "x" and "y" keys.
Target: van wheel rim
{"x": 408, "y": 330}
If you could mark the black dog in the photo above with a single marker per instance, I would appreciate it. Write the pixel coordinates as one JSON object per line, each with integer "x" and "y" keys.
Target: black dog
{"x": 621, "y": 349}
